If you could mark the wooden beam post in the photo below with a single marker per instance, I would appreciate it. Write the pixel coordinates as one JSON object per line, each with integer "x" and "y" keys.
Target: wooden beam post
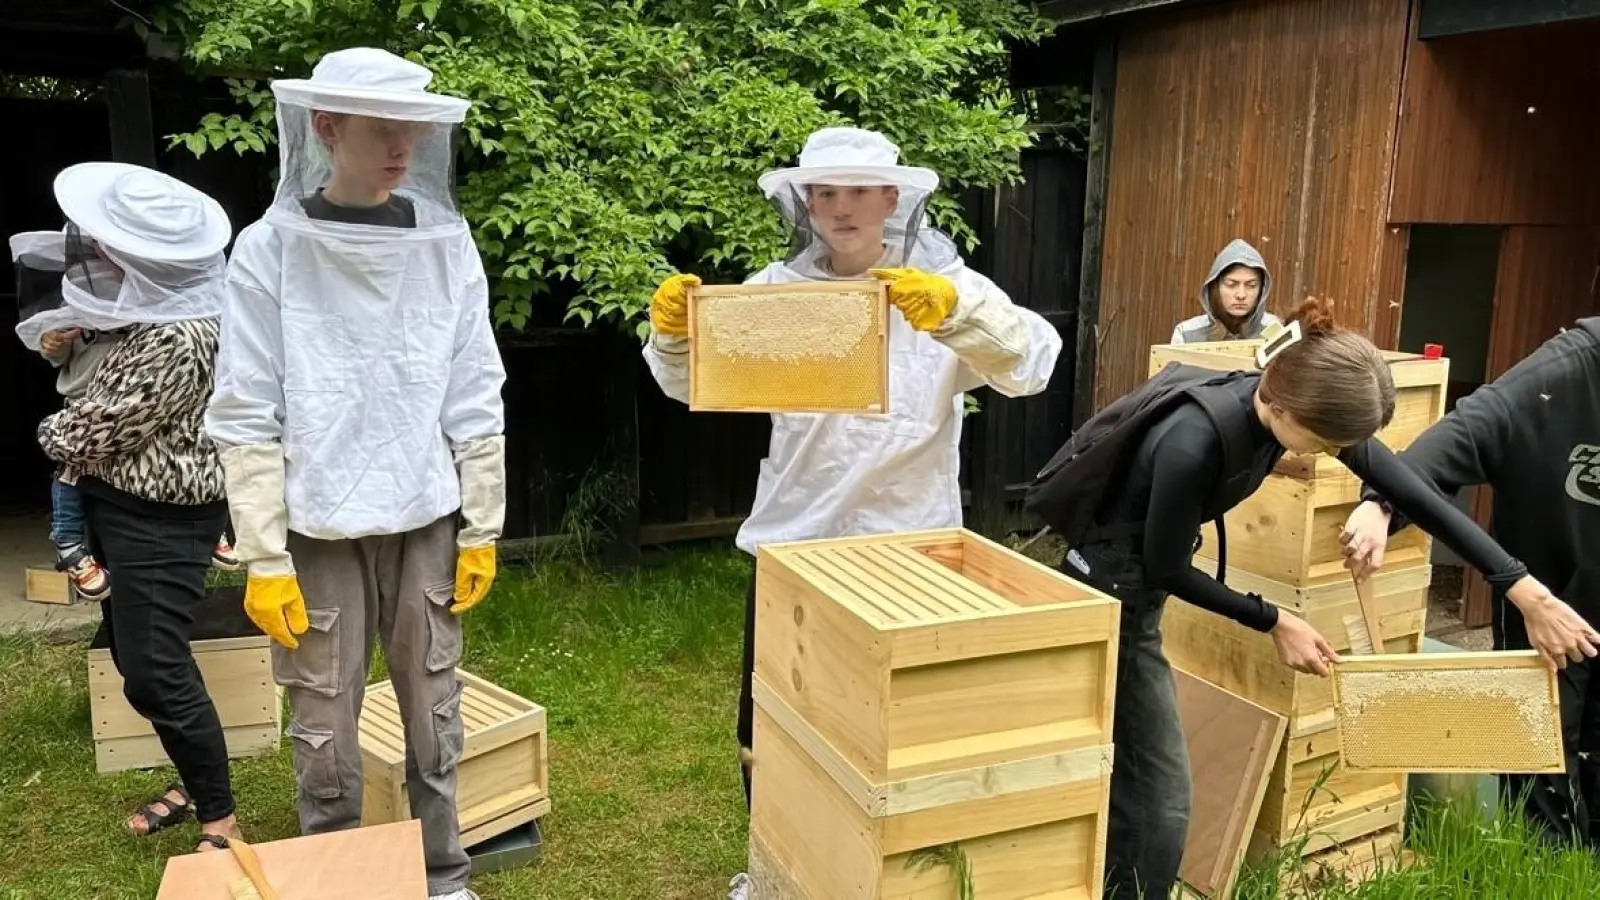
{"x": 1086, "y": 359}
{"x": 622, "y": 542}
{"x": 132, "y": 124}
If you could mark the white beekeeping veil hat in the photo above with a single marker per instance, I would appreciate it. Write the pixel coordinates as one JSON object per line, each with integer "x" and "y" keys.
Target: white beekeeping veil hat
{"x": 139, "y": 247}
{"x": 847, "y": 157}
{"x": 363, "y": 125}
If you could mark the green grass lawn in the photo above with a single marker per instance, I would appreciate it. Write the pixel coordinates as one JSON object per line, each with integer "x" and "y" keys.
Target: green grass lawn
{"x": 639, "y": 675}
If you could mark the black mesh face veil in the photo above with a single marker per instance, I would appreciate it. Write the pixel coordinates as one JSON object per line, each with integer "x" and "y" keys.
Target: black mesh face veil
{"x": 414, "y": 160}
{"x": 908, "y": 239}
{"x": 87, "y": 267}
{"x": 39, "y": 265}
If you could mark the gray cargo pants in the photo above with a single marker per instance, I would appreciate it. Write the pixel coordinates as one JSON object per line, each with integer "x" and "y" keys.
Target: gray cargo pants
{"x": 397, "y": 588}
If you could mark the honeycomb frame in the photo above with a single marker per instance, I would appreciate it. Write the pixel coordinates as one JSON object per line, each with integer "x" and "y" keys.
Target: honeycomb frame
{"x": 1450, "y": 713}
{"x": 834, "y": 361}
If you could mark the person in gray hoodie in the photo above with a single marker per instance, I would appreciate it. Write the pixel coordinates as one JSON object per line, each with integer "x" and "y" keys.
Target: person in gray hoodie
{"x": 1233, "y": 298}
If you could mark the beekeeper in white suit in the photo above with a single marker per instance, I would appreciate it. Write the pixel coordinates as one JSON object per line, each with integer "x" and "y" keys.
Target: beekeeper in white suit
{"x": 855, "y": 212}
{"x": 359, "y": 414}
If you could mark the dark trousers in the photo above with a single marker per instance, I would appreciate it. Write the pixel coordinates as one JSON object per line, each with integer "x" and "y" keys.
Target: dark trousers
{"x": 157, "y": 565}
{"x": 1150, "y": 784}
{"x": 747, "y": 670}
{"x": 1563, "y": 808}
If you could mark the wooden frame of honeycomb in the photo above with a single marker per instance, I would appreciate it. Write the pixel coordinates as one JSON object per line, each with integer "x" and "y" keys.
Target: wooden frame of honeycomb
{"x": 1449, "y": 712}
{"x": 748, "y": 353}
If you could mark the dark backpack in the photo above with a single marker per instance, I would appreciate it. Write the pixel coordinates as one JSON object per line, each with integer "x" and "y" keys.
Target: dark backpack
{"x": 1069, "y": 491}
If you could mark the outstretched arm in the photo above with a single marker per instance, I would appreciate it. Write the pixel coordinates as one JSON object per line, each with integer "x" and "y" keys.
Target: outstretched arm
{"x": 1005, "y": 346}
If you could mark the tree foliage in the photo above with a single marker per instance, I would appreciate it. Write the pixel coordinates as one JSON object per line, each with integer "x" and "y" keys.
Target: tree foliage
{"x": 612, "y": 142}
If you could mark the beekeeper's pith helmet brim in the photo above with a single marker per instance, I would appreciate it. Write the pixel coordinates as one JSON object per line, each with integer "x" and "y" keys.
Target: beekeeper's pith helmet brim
{"x": 411, "y": 106}
{"x": 369, "y": 81}
{"x": 142, "y": 212}
{"x": 850, "y": 176}
{"x": 852, "y": 157}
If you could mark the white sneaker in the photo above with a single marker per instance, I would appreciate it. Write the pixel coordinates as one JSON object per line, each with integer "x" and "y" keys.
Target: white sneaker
{"x": 739, "y": 887}
{"x": 462, "y": 894}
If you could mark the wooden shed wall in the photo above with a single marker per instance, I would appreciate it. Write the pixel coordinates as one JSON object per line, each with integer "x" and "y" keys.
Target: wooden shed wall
{"x": 1501, "y": 128}
{"x": 1271, "y": 120}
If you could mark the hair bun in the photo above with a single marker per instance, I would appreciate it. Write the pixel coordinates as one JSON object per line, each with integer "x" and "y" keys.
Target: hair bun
{"x": 1314, "y": 315}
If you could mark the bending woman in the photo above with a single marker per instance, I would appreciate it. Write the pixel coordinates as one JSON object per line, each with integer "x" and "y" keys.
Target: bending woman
{"x": 145, "y": 252}
{"x": 1323, "y": 391}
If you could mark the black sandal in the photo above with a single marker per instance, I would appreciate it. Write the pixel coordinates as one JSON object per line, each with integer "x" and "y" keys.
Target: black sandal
{"x": 216, "y": 840}
{"x": 176, "y": 813}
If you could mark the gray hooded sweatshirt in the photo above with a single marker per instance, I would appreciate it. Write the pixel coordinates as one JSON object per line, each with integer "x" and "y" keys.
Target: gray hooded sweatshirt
{"x": 1198, "y": 329}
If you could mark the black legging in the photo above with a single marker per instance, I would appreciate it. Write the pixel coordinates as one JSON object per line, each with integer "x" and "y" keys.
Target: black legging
{"x": 157, "y": 565}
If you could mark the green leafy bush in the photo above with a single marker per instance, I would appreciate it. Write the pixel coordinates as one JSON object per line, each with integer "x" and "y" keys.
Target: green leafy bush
{"x": 613, "y": 142}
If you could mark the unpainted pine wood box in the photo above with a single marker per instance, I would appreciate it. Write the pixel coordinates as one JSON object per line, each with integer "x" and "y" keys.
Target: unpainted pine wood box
{"x": 923, "y": 653}
{"x": 1420, "y": 386}
{"x": 235, "y": 663}
{"x": 1034, "y": 830}
{"x": 1301, "y": 800}
{"x": 807, "y": 347}
{"x": 43, "y": 584}
{"x": 502, "y": 779}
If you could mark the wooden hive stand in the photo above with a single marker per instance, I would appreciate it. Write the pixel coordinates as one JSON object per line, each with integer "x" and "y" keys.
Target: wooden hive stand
{"x": 236, "y": 664}
{"x": 503, "y": 778}
{"x": 1283, "y": 543}
{"x": 922, "y": 697}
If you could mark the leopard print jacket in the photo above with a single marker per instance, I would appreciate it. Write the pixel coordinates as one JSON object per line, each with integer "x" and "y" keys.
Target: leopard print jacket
{"x": 140, "y": 426}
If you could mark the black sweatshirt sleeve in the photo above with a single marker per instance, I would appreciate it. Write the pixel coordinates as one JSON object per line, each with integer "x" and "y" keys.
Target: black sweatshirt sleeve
{"x": 1415, "y": 498}
{"x": 1187, "y": 463}
{"x": 1463, "y": 449}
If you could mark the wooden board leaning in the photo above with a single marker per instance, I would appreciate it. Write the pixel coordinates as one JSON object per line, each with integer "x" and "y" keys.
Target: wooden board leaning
{"x": 811, "y": 347}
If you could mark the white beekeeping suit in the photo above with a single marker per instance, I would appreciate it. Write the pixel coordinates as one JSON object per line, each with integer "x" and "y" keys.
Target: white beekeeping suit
{"x": 359, "y": 414}
{"x": 839, "y": 475}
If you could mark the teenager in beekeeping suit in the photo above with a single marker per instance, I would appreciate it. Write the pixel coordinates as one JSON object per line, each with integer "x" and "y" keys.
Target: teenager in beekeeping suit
{"x": 1533, "y": 435}
{"x": 855, "y": 213}
{"x": 1233, "y": 298}
{"x": 359, "y": 414}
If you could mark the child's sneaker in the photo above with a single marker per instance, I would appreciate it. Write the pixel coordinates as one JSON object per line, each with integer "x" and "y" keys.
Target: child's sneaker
{"x": 87, "y": 575}
{"x": 739, "y": 887}
{"x": 222, "y": 556}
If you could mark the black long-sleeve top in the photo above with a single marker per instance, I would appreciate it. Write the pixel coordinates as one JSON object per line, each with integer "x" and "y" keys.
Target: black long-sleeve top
{"x": 1178, "y": 467}
{"x": 1533, "y": 435}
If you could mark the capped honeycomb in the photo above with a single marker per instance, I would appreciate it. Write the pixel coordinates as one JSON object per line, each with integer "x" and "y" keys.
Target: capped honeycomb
{"x": 1419, "y": 713}
{"x": 818, "y": 347}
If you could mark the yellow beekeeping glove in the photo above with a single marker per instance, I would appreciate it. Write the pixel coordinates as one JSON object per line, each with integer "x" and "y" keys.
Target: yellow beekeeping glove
{"x": 474, "y": 575}
{"x": 275, "y": 604}
{"x": 923, "y": 298}
{"x": 669, "y": 306}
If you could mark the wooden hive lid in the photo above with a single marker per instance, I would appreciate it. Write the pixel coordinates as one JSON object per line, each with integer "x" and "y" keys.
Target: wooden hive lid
{"x": 892, "y": 585}
{"x": 490, "y": 717}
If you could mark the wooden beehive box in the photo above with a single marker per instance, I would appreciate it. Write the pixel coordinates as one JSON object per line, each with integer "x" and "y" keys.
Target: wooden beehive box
{"x": 503, "y": 778}
{"x": 812, "y": 347}
{"x": 923, "y": 689}
{"x": 1346, "y": 804}
{"x": 236, "y": 664}
{"x": 1450, "y": 712}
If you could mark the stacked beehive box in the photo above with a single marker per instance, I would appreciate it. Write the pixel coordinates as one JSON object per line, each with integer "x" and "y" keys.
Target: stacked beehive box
{"x": 928, "y": 703}
{"x": 1283, "y": 543}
